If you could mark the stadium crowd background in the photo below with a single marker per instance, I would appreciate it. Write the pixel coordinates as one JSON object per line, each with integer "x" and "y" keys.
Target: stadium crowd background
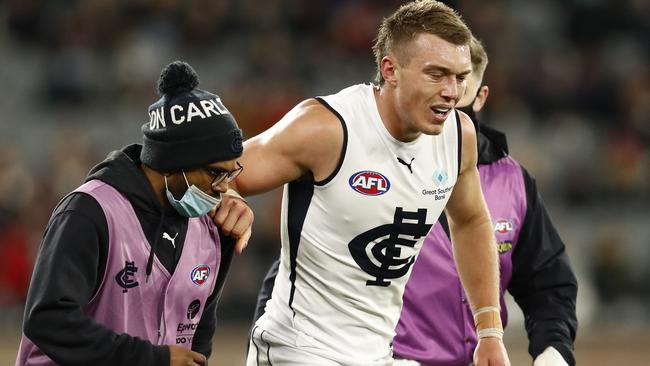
{"x": 569, "y": 79}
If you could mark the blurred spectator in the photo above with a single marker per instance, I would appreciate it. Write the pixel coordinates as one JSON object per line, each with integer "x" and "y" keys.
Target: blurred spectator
{"x": 16, "y": 263}
{"x": 16, "y": 191}
{"x": 611, "y": 274}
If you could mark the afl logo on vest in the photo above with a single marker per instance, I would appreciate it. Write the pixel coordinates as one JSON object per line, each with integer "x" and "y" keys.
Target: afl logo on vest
{"x": 503, "y": 226}
{"x": 200, "y": 274}
{"x": 369, "y": 183}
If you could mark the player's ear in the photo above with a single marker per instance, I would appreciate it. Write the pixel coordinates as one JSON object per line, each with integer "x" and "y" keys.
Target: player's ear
{"x": 388, "y": 68}
{"x": 481, "y": 98}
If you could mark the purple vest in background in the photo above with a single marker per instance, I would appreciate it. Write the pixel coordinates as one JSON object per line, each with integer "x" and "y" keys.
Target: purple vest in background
{"x": 436, "y": 326}
{"x": 163, "y": 310}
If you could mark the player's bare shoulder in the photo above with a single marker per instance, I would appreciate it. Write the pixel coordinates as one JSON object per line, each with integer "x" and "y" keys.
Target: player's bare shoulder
{"x": 307, "y": 139}
{"x": 318, "y": 137}
{"x": 469, "y": 155}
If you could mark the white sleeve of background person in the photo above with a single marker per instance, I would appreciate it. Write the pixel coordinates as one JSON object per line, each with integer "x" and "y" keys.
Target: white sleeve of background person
{"x": 550, "y": 357}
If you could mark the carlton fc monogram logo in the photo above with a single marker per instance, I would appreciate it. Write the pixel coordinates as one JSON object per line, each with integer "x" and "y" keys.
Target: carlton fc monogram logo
{"x": 386, "y": 261}
{"x": 125, "y": 278}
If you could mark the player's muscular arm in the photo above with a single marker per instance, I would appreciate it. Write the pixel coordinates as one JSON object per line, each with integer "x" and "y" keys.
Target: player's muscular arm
{"x": 474, "y": 247}
{"x": 307, "y": 139}
{"x": 471, "y": 228}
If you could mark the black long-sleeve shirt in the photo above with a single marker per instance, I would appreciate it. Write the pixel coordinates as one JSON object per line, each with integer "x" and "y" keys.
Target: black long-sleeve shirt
{"x": 543, "y": 283}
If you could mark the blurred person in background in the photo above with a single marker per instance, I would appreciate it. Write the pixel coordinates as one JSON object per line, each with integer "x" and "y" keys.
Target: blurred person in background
{"x": 16, "y": 190}
{"x": 436, "y": 326}
{"x": 131, "y": 265}
{"x": 366, "y": 173}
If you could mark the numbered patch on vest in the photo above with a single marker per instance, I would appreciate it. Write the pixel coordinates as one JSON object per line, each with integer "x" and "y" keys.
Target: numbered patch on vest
{"x": 385, "y": 244}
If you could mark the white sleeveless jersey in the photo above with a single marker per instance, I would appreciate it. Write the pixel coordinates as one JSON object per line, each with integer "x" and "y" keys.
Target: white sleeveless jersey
{"x": 349, "y": 242}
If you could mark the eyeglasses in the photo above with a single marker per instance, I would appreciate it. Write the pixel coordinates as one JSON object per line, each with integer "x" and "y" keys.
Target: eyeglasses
{"x": 218, "y": 175}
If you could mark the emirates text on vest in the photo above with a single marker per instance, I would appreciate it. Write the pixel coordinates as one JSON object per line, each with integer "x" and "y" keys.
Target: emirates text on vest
{"x": 179, "y": 115}
{"x": 186, "y": 326}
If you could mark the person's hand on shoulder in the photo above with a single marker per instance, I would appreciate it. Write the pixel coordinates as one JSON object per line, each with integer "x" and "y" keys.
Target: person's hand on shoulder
{"x": 234, "y": 217}
{"x": 550, "y": 357}
{"x": 490, "y": 351}
{"x": 184, "y": 357}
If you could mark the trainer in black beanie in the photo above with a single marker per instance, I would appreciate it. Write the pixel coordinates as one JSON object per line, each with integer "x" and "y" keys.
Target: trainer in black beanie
{"x": 187, "y": 127}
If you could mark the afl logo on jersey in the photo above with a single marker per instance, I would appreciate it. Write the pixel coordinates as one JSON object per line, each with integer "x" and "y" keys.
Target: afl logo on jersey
{"x": 369, "y": 183}
{"x": 503, "y": 226}
{"x": 200, "y": 274}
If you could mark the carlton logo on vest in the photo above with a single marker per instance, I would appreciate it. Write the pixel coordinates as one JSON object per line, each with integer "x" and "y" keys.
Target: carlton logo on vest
{"x": 200, "y": 274}
{"x": 369, "y": 183}
{"x": 125, "y": 278}
{"x": 387, "y": 261}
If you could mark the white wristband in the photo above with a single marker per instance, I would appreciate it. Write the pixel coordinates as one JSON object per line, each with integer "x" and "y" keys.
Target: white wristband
{"x": 486, "y": 309}
{"x": 490, "y": 333}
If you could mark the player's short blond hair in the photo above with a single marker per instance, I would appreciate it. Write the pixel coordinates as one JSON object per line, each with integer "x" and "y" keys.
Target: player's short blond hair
{"x": 413, "y": 18}
{"x": 479, "y": 57}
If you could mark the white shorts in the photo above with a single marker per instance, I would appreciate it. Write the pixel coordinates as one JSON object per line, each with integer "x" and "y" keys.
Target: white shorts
{"x": 275, "y": 344}
{"x": 402, "y": 362}
{"x": 266, "y": 349}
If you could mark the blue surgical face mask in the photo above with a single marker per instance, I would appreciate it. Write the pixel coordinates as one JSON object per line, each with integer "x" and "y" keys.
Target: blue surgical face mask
{"x": 194, "y": 202}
